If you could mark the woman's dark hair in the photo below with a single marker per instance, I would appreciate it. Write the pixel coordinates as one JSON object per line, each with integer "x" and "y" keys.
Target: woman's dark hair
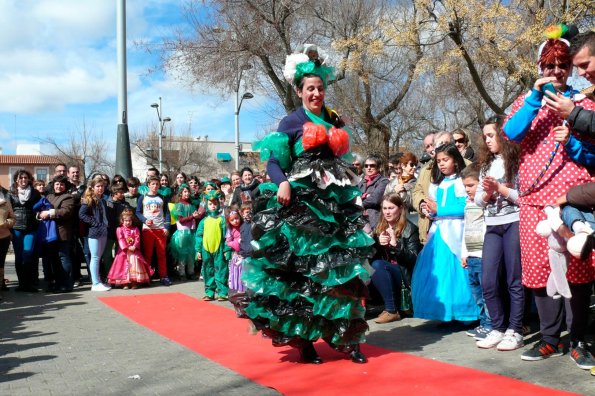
{"x": 18, "y": 174}
{"x": 396, "y": 200}
{"x": 183, "y": 175}
{"x": 509, "y": 151}
{"x": 300, "y": 83}
{"x": 133, "y": 182}
{"x": 246, "y": 169}
{"x": 118, "y": 179}
{"x": 60, "y": 179}
{"x": 376, "y": 160}
{"x": 453, "y": 152}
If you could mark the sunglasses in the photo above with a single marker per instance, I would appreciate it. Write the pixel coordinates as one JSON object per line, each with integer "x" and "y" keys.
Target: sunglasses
{"x": 370, "y": 166}
{"x": 357, "y": 164}
{"x": 461, "y": 140}
{"x": 552, "y": 66}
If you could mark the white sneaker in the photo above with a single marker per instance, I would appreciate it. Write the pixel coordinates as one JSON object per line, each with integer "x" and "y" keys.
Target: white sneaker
{"x": 100, "y": 287}
{"x": 494, "y": 338}
{"x": 511, "y": 341}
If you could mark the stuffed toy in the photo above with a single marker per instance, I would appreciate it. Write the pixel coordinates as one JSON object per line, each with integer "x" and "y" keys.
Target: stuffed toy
{"x": 557, "y": 284}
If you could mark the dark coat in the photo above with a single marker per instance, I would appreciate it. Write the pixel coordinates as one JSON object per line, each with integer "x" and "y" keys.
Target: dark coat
{"x": 245, "y": 239}
{"x": 250, "y": 190}
{"x": 406, "y": 251}
{"x": 95, "y": 218}
{"x": 373, "y": 201}
{"x": 25, "y": 219}
{"x": 114, "y": 210}
{"x": 64, "y": 209}
{"x": 582, "y": 121}
{"x": 582, "y": 196}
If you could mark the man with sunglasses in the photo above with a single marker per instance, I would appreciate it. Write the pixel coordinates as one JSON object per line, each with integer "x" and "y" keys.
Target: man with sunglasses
{"x": 582, "y": 51}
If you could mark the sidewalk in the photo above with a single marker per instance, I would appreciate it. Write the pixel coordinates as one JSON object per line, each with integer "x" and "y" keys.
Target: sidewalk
{"x": 72, "y": 344}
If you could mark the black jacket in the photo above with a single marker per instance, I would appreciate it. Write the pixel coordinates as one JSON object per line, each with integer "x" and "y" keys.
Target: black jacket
{"x": 406, "y": 251}
{"x": 242, "y": 192}
{"x": 245, "y": 239}
{"x": 582, "y": 121}
{"x": 25, "y": 219}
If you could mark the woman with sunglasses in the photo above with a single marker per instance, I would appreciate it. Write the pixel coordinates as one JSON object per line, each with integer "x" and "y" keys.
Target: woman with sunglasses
{"x": 461, "y": 139}
{"x": 372, "y": 186}
{"x": 546, "y": 172}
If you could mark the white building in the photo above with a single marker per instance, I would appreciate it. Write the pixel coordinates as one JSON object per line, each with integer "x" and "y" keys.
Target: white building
{"x": 202, "y": 157}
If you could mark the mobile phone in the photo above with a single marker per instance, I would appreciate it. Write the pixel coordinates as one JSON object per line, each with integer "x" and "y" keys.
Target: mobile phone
{"x": 548, "y": 87}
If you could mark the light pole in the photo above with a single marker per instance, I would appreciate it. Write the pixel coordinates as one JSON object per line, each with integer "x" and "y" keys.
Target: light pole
{"x": 162, "y": 121}
{"x": 239, "y": 101}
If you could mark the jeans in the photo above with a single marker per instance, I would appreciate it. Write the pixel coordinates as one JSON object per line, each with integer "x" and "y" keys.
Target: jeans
{"x": 502, "y": 260}
{"x": 387, "y": 278}
{"x": 474, "y": 274}
{"x": 23, "y": 244}
{"x": 96, "y": 247}
{"x": 570, "y": 214}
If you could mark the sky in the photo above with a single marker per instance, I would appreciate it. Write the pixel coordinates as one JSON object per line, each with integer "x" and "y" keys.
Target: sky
{"x": 58, "y": 72}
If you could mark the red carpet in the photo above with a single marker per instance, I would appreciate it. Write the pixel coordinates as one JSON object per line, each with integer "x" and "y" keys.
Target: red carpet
{"x": 215, "y": 333}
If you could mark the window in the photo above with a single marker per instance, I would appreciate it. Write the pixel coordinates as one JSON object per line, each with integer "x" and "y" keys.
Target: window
{"x": 41, "y": 173}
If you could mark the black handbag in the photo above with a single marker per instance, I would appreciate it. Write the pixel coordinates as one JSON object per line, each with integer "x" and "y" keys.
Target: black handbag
{"x": 406, "y": 304}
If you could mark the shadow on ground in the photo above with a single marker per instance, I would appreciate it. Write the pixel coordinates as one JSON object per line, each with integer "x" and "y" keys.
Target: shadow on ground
{"x": 17, "y": 311}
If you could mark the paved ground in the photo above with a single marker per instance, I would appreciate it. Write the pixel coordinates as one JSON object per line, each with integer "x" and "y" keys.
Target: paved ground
{"x": 72, "y": 344}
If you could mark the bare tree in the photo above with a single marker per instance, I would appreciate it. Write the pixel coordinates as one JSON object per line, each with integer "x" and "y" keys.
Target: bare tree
{"x": 179, "y": 153}
{"x": 83, "y": 148}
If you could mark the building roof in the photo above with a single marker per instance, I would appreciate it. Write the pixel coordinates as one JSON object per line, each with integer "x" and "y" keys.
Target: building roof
{"x": 12, "y": 159}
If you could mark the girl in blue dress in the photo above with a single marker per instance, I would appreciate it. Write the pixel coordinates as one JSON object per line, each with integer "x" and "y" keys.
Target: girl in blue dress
{"x": 439, "y": 288}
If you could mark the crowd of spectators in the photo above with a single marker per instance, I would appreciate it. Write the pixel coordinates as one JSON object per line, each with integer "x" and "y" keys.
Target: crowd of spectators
{"x": 472, "y": 254}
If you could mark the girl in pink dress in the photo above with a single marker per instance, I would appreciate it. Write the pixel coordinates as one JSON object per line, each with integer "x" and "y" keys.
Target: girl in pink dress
{"x": 232, "y": 240}
{"x": 129, "y": 267}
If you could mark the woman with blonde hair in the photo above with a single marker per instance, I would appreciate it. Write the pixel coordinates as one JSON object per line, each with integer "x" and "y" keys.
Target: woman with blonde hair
{"x": 93, "y": 213}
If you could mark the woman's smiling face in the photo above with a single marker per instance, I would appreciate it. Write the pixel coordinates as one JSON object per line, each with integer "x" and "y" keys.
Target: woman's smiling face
{"x": 312, "y": 94}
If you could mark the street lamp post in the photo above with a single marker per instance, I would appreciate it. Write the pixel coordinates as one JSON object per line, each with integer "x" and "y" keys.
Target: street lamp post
{"x": 162, "y": 121}
{"x": 238, "y": 105}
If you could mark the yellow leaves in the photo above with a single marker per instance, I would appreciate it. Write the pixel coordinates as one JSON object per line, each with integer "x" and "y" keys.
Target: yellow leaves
{"x": 361, "y": 47}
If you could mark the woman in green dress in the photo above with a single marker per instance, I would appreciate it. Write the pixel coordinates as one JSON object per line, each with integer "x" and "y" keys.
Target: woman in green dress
{"x": 306, "y": 277}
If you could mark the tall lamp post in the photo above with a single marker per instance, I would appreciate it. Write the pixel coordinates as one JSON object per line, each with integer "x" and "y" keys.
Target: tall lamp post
{"x": 239, "y": 101}
{"x": 162, "y": 121}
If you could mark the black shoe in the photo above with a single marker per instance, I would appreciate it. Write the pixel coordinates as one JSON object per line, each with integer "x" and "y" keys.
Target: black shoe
{"x": 357, "y": 356}
{"x": 588, "y": 247}
{"x": 308, "y": 354}
{"x": 27, "y": 289}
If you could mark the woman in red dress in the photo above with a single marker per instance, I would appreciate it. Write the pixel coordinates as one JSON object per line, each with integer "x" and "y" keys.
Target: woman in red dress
{"x": 533, "y": 125}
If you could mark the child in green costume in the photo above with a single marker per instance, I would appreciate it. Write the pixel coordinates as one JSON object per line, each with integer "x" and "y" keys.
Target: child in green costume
{"x": 210, "y": 245}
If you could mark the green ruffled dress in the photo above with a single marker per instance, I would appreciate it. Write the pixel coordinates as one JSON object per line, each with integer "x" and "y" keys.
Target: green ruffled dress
{"x": 306, "y": 277}
{"x": 182, "y": 241}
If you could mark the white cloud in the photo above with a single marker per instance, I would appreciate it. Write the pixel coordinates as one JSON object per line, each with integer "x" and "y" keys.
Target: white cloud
{"x": 58, "y": 67}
